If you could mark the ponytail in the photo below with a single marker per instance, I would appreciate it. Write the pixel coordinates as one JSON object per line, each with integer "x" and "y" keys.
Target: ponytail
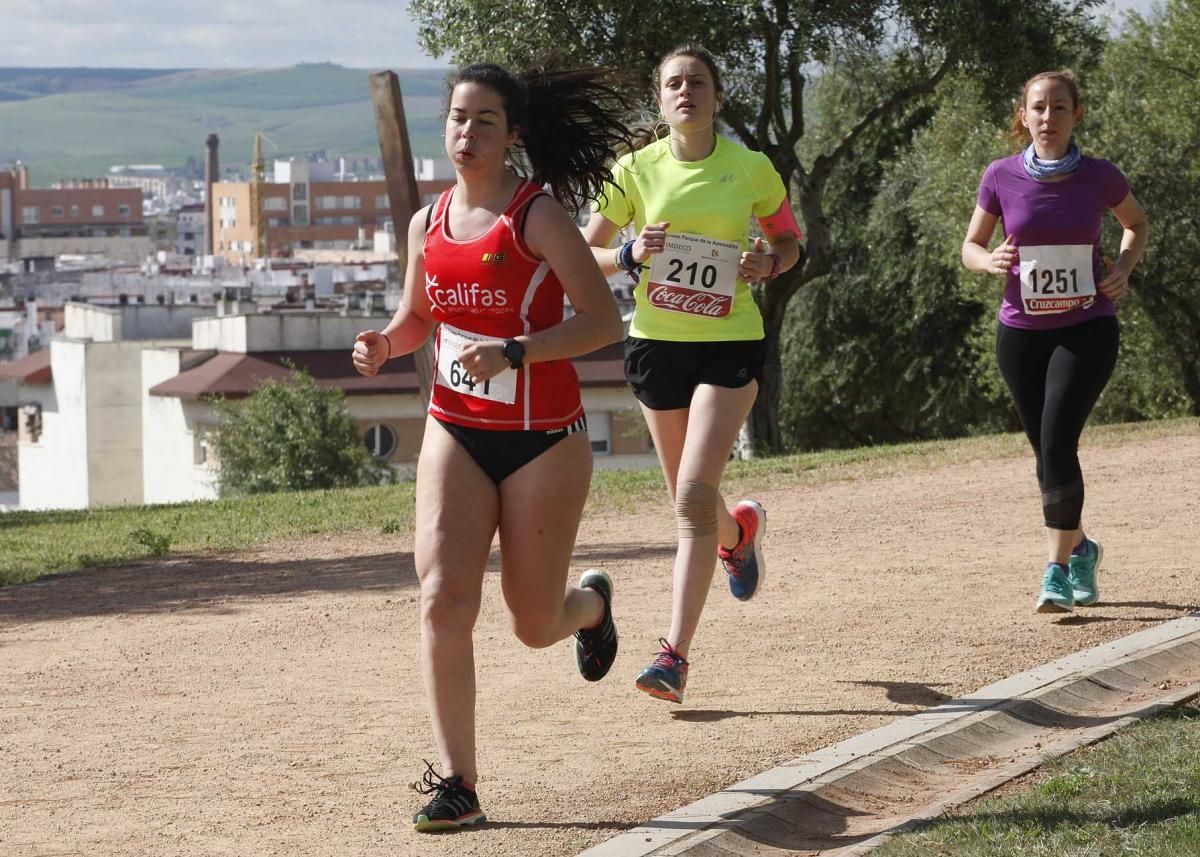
{"x": 571, "y": 121}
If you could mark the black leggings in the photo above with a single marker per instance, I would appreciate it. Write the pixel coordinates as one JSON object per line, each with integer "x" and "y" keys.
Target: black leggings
{"x": 1055, "y": 377}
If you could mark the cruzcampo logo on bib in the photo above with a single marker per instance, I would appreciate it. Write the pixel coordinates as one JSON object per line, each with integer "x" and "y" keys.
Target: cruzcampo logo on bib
{"x": 695, "y": 275}
{"x": 1056, "y": 278}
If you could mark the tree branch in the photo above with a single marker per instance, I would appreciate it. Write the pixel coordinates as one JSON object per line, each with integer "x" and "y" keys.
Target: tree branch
{"x": 824, "y": 164}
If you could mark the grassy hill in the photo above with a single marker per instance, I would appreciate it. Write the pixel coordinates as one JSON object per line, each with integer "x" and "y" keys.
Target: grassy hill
{"x": 69, "y": 123}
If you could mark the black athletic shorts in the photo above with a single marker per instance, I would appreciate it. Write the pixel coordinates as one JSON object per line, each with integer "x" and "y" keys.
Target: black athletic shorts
{"x": 500, "y": 454}
{"x": 665, "y": 374}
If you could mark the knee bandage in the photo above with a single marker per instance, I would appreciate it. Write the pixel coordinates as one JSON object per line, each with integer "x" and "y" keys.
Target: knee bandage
{"x": 695, "y": 509}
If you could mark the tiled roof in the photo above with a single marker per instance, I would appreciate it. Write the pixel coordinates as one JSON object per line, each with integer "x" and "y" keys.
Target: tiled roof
{"x": 34, "y": 369}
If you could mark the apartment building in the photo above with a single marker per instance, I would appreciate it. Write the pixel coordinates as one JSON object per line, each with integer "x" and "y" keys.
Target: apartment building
{"x": 304, "y": 213}
{"x": 86, "y": 217}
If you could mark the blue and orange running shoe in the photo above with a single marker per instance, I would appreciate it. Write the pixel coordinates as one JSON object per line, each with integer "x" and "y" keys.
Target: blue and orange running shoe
{"x": 745, "y": 564}
{"x": 666, "y": 677}
{"x": 453, "y": 805}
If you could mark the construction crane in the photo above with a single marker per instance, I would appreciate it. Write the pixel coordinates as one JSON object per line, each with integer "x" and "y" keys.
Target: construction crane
{"x": 258, "y": 223}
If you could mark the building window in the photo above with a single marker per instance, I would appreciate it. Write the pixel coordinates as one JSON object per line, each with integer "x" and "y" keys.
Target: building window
{"x": 327, "y": 202}
{"x": 30, "y": 214}
{"x": 300, "y": 191}
{"x": 300, "y": 215}
{"x": 97, "y": 211}
{"x": 381, "y": 201}
{"x": 123, "y": 210}
{"x": 600, "y": 432}
{"x": 380, "y": 440}
{"x": 349, "y": 220}
{"x": 274, "y": 203}
{"x": 74, "y": 210}
{"x": 56, "y": 211}
{"x": 351, "y": 202}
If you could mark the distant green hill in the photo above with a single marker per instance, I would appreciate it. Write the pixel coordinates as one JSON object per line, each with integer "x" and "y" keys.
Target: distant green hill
{"x": 77, "y": 122}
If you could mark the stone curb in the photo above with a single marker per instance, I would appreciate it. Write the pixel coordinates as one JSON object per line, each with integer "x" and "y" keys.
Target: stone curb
{"x": 1069, "y": 702}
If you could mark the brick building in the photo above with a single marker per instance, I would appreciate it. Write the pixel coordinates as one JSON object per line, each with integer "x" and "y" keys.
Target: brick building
{"x": 85, "y": 217}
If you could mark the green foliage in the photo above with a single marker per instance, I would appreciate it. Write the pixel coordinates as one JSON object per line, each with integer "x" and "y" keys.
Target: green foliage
{"x": 896, "y": 343}
{"x": 155, "y": 543}
{"x": 1146, "y": 109}
{"x": 37, "y": 543}
{"x": 291, "y": 436}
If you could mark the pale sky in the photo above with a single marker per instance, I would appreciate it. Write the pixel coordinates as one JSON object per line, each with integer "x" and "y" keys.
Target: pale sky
{"x": 224, "y": 33}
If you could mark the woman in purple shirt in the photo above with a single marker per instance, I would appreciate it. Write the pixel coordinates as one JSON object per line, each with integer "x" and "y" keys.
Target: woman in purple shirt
{"x": 1058, "y": 334}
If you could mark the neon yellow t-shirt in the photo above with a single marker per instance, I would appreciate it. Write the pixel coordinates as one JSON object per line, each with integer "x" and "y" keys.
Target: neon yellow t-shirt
{"x": 693, "y": 293}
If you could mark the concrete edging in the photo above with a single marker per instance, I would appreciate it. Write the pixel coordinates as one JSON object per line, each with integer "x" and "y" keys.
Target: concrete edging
{"x": 1088, "y": 695}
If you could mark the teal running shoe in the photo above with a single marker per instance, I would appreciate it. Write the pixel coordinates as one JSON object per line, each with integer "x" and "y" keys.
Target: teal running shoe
{"x": 1057, "y": 595}
{"x": 1083, "y": 573}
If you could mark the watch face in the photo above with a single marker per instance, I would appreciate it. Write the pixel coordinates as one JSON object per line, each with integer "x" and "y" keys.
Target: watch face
{"x": 514, "y": 352}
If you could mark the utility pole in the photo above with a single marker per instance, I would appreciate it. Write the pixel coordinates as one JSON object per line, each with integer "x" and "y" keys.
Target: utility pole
{"x": 403, "y": 198}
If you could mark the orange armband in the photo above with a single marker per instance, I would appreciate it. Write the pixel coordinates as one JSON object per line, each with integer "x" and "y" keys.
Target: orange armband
{"x": 781, "y": 223}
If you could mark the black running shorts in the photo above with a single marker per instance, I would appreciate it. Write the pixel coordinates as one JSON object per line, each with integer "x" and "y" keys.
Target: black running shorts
{"x": 665, "y": 374}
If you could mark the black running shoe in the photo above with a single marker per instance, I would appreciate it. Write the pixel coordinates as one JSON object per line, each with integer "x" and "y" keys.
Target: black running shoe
{"x": 596, "y": 648}
{"x": 453, "y": 805}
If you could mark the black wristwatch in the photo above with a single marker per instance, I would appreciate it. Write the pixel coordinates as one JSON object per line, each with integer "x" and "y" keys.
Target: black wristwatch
{"x": 514, "y": 353}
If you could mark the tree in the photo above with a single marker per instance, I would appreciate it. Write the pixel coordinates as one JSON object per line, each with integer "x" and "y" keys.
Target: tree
{"x": 291, "y": 435}
{"x": 771, "y": 50}
{"x": 1145, "y": 107}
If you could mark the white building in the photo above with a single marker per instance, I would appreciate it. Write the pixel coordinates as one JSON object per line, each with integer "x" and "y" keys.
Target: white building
{"x": 80, "y": 408}
{"x": 118, "y": 409}
{"x": 189, "y": 230}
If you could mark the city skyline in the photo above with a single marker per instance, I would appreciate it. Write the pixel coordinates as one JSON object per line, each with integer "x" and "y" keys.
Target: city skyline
{"x": 226, "y": 34}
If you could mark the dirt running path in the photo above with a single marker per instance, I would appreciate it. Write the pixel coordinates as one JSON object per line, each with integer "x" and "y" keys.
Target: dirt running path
{"x": 268, "y": 702}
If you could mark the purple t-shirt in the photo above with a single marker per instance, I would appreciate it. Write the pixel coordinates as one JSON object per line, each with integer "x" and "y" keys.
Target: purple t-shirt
{"x": 1066, "y": 212}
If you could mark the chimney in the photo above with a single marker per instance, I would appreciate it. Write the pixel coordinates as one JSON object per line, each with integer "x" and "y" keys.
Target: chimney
{"x": 22, "y": 177}
{"x": 212, "y": 174}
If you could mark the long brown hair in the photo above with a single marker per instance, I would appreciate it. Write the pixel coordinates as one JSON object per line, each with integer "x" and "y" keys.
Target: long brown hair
{"x": 1018, "y": 134}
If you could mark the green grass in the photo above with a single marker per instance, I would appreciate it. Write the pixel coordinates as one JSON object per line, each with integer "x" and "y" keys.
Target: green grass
{"x": 33, "y": 544}
{"x": 1138, "y": 793}
{"x": 165, "y": 119}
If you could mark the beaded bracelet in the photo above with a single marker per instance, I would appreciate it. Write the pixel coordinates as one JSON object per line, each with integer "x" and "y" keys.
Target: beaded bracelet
{"x": 776, "y": 264}
{"x": 625, "y": 258}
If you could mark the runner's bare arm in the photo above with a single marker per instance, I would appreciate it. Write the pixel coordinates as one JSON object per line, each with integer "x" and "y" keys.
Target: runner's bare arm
{"x": 975, "y": 254}
{"x": 553, "y": 236}
{"x": 1133, "y": 241}
{"x": 600, "y": 232}
{"x": 412, "y": 323}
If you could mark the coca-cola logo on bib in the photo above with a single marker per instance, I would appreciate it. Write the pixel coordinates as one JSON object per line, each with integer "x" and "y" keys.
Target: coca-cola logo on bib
{"x": 689, "y": 301}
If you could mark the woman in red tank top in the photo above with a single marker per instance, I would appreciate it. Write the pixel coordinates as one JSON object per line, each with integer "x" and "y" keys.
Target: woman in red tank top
{"x": 505, "y": 443}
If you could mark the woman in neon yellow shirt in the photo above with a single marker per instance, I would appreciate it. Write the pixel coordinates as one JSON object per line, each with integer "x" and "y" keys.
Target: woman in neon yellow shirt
{"x": 695, "y": 351}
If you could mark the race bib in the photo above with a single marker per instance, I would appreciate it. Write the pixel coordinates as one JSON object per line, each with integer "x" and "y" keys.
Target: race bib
{"x": 451, "y": 374}
{"x": 694, "y": 275}
{"x": 1056, "y": 278}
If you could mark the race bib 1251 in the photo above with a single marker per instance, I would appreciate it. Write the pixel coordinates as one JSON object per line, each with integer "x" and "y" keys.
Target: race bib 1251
{"x": 1056, "y": 278}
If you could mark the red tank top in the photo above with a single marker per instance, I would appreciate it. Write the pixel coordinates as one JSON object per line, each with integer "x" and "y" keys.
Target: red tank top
{"x": 488, "y": 288}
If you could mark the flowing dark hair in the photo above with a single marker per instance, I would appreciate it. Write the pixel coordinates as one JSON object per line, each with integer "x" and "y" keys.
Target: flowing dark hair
{"x": 572, "y": 123}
